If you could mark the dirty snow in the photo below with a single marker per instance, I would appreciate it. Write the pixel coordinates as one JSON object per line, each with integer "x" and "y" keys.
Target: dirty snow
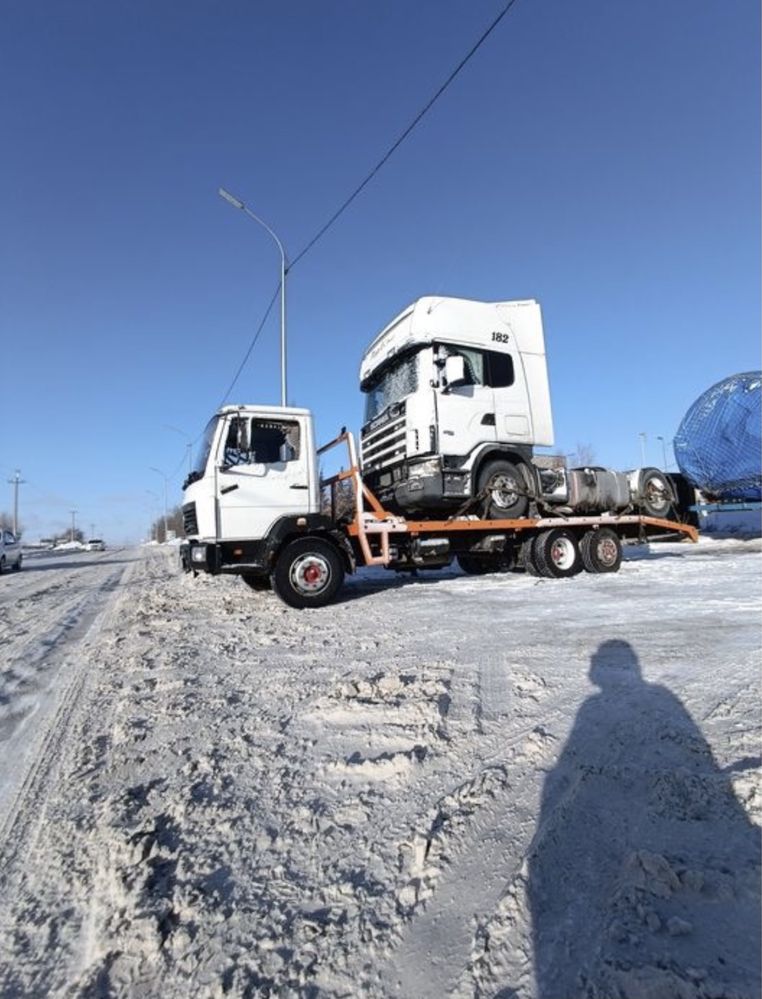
{"x": 496, "y": 786}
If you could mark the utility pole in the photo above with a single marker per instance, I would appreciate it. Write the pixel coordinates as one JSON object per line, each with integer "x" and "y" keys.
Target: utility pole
{"x": 16, "y": 481}
{"x": 73, "y": 516}
{"x": 642, "y": 447}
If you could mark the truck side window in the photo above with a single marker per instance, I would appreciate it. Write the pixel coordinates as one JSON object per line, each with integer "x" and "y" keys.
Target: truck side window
{"x": 270, "y": 442}
{"x": 499, "y": 369}
{"x": 273, "y": 441}
{"x": 473, "y": 363}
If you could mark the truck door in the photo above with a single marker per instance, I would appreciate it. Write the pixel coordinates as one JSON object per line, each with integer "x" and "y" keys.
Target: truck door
{"x": 505, "y": 373}
{"x": 264, "y": 473}
{"x": 466, "y": 411}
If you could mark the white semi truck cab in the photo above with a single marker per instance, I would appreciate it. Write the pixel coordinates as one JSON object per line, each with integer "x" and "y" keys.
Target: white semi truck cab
{"x": 457, "y": 397}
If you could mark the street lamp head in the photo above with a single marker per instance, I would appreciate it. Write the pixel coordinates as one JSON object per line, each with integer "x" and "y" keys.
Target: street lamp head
{"x": 227, "y": 196}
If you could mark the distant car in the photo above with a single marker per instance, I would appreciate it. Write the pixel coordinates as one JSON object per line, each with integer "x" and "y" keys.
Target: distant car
{"x": 10, "y": 551}
{"x": 95, "y": 545}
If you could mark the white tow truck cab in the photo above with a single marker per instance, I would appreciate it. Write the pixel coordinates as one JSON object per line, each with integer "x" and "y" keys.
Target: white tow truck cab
{"x": 457, "y": 397}
{"x": 255, "y": 482}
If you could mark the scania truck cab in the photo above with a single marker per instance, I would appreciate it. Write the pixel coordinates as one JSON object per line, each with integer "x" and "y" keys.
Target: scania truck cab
{"x": 457, "y": 397}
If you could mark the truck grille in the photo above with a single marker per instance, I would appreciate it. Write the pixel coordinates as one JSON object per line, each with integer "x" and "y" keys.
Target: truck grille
{"x": 383, "y": 440}
{"x": 190, "y": 524}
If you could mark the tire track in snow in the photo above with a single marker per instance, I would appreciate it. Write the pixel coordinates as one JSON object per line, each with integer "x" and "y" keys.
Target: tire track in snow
{"x": 41, "y": 690}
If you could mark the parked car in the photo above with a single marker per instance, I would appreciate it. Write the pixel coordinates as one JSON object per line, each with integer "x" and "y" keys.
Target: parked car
{"x": 95, "y": 545}
{"x": 10, "y": 551}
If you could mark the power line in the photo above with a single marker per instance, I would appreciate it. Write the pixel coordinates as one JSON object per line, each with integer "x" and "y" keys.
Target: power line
{"x": 242, "y": 365}
{"x": 384, "y": 159}
{"x": 398, "y": 142}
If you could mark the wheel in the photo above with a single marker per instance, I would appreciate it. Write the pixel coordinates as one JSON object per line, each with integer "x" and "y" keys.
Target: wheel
{"x": 526, "y": 557}
{"x": 503, "y": 485}
{"x": 255, "y": 581}
{"x": 473, "y": 566}
{"x": 17, "y": 566}
{"x": 556, "y": 554}
{"x": 307, "y": 573}
{"x": 656, "y": 497}
{"x": 601, "y": 550}
{"x": 2, "y": 565}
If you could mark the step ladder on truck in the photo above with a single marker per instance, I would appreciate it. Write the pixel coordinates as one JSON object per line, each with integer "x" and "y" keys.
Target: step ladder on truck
{"x": 256, "y": 506}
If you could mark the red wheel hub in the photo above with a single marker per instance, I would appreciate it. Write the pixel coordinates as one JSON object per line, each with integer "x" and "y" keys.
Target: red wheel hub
{"x": 311, "y": 574}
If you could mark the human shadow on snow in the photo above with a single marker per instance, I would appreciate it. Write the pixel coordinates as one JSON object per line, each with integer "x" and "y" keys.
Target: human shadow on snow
{"x": 644, "y": 867}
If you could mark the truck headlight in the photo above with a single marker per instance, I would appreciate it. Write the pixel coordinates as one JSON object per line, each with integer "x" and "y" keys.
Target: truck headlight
{"x": 422, "y": 468}
{"x": 198, "y": 554}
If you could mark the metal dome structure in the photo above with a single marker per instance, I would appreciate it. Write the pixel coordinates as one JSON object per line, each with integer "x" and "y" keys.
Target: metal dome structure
{"x": 718, "y": 446}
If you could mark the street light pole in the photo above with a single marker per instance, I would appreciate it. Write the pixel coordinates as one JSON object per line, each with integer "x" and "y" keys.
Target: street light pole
{"x": 663, "y": 450}
{"x": 642, "y": 447}
{"x": 73, "y": 516}
{"x": 159, "y": 472}
{"x": 237, "y": 203}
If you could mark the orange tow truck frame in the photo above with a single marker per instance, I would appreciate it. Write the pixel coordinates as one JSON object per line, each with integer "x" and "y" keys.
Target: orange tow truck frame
{"x": 374, "y": 529}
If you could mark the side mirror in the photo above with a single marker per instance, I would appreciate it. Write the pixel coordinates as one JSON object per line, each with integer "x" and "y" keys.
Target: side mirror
{"x": 455, "y": 371}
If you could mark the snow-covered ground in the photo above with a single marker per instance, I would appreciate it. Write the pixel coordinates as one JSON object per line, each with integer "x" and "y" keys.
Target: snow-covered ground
{"x": 496, "y": 786}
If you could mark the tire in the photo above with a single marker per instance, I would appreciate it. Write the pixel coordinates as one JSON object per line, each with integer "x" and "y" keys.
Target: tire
{"x": 256, "y": 582}
{"x": 656, "y": 496}
{"x": 601, "y": 550}
{"x": 556, "y": 554}
{"x": 17, "y": 566}
{"x": 308, "y": 573}
{"x": 505, "y": 489}
{"x": 526, "y": 557}
{"x": 473, "y": 566}
{"x": 2, "y": 566}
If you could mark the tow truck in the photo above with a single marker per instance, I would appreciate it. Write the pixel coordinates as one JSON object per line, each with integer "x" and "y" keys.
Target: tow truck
{"x": 256, "y": 506}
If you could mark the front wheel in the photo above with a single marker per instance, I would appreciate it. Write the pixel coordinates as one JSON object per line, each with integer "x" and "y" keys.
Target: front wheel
{"x": 556, "y": 554}
{"x": 308, "y": 573}
{"x": 506, "y": 492}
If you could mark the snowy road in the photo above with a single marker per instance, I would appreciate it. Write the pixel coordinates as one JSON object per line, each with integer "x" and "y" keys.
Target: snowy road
{"x": 495, "y": 786}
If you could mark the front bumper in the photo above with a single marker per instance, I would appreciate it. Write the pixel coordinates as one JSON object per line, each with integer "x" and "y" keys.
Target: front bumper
{"x": 428, "y": 488}
{"x": 196, "y": 556}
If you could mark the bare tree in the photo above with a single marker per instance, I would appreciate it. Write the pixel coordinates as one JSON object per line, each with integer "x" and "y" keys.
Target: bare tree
{"x": 583, "y": 456}
{"x": 6, "y": 523}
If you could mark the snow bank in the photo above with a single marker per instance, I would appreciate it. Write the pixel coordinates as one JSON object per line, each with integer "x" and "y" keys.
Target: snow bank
{"x": 494, "y": 786}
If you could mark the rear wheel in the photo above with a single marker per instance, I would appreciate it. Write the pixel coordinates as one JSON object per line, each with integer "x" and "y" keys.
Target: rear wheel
{"x": 17, "y": 566}
{"x": 475, "y": 565}
{"x": 308, "y": 573}
{"x": 556, "y": 554}
{"x": 503, "y": 485}
{"x": 656, "y": 497}
{"x": 526, "y": 557}
{"x": 601, "y": 550}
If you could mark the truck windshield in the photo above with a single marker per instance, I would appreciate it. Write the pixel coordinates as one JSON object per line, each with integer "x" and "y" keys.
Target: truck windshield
{"x": 396, "y": 382}
{"x": 202, "y": 455}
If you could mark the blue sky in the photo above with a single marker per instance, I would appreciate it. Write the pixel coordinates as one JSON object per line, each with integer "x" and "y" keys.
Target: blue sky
{"x": 599, "y": 156}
